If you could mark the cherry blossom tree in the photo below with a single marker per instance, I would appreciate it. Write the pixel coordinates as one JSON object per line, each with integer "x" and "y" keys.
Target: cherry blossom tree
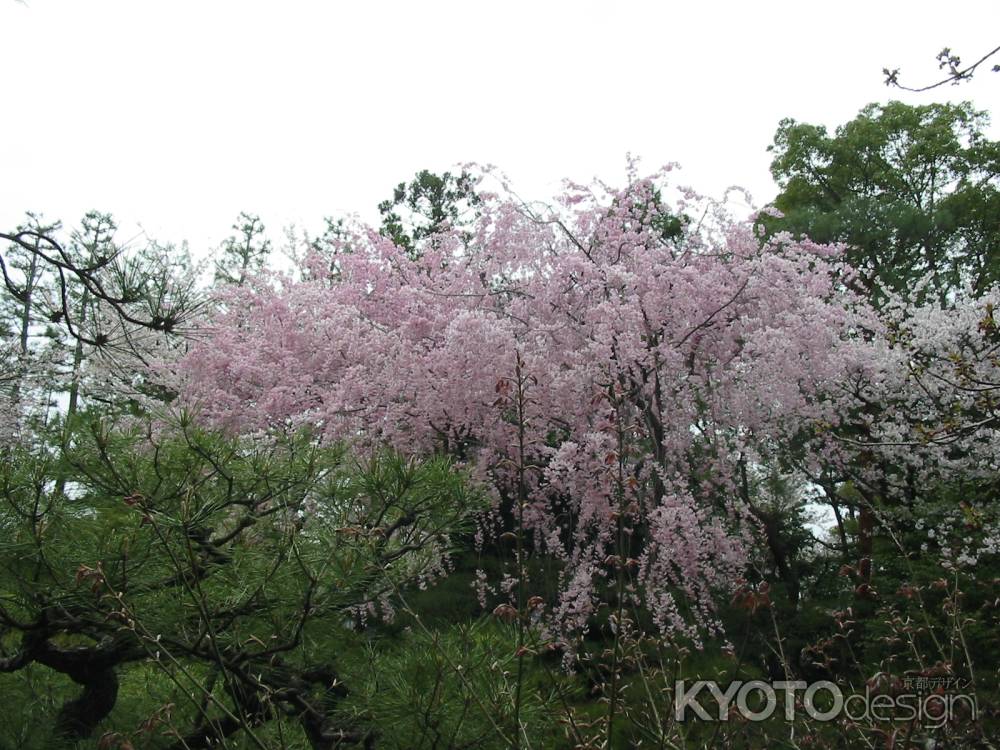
{"x": 604, "y": 377}
{"x": 922, "y": 413}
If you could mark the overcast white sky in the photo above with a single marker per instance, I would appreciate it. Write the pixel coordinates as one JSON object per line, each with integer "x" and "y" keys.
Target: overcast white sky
{"x": 178, "y": 115}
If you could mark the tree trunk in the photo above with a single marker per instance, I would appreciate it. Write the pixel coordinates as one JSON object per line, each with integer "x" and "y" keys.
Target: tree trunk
{"x": 79, "y": 718}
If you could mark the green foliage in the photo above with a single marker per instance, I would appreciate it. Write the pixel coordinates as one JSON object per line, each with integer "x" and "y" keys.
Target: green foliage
{"x": 453, "y": 687}
{"x": 425, "y": 205}
{"x": 228, "y": 570}
{"x": 912, "y": 190}
{"x": 244, "y": 253}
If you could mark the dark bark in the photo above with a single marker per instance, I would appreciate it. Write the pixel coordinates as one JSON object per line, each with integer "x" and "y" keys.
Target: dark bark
{"x": 776, "y": 544}
{"x": 79, "y": 717}
{"x": 93, "y": 667}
